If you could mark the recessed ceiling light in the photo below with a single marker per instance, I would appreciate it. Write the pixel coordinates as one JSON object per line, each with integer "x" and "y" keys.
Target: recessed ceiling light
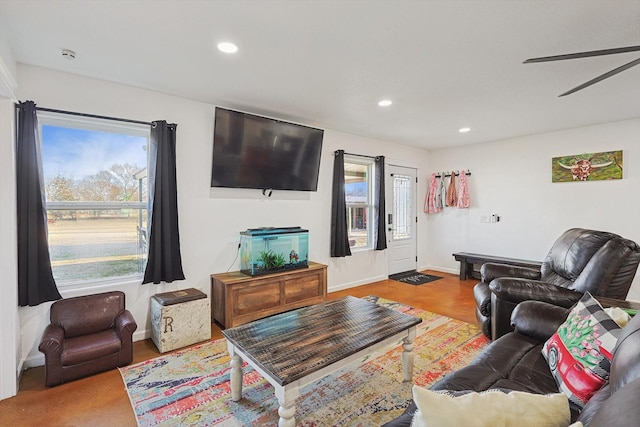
{"x": 227, "y": 47}
{"x": 464, "y": 130}
{"x": 385, "y": 103}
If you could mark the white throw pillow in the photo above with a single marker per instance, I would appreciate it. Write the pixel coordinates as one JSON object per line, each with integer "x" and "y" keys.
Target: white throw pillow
{"x": 618, "y": 315}
{"x": 490, "y": 408}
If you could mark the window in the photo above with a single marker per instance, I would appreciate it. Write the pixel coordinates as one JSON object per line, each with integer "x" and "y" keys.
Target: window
{"x": 402, "y": 206}
{"x": 359, "y": 197}
{"x": 95, "y": 176}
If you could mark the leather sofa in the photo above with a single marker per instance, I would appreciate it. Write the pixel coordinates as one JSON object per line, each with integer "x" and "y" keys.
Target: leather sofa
{"x": 515, "y": 362}
{"x": 87, "y": 335}
{"x": 579, "y": 261}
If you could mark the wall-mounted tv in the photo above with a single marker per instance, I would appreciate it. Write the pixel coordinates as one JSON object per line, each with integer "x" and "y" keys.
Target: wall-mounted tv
{"x": 251, "y": 151}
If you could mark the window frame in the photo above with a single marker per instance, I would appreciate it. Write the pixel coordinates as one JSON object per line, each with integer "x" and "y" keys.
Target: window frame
{"x": 369, "y": 163}
{"x": 74, "y": 121}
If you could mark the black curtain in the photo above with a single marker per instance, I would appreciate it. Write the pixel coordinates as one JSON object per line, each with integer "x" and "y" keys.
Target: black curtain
{"x": 164, "y": 263}
{"x": 35, "y": 278}
{"x": 380, "y": 226}
{"x": 339, "y": 232}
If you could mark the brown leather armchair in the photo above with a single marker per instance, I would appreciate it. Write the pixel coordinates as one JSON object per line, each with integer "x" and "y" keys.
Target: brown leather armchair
{"x": 580, "y": 260}
{"x": 87, "y": 335}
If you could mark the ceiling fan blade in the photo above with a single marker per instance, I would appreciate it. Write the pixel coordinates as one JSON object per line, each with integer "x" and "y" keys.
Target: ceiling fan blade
{"x": 583, "y": 54}
{"x": 602, "y": 77}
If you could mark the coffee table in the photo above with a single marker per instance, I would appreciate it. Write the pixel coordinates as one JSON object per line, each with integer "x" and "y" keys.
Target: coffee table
{"x": 293, "y": 349}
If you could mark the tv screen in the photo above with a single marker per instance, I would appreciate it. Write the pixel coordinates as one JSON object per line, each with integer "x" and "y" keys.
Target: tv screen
{"x": 257, "y": 152}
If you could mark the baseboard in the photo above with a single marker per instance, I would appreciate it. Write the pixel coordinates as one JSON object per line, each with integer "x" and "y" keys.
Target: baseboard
{"x": 344, "y": 286}
{"x": 32, "y": 362}
{"x": 440, "y": 269}
{"x": 141, "y": 335}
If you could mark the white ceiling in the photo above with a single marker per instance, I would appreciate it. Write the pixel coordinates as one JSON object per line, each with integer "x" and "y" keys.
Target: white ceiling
{"x": 445, "y": 64}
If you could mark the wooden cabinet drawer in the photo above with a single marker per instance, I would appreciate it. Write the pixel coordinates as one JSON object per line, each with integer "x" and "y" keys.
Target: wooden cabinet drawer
{"x": 302, "y": 288}
{"x": 251, "y": 299}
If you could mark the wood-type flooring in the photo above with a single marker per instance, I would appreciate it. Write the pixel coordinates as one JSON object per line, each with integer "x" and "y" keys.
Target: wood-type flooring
{"x": 101, "y": 400}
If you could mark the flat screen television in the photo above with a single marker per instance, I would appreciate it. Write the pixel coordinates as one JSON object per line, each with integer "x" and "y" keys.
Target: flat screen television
{"x": 251, "y": 151}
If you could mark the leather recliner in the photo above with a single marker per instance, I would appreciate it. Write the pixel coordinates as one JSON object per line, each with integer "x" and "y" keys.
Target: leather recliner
{"x": 87, "y": 335}
{"x": 580, "y": 260}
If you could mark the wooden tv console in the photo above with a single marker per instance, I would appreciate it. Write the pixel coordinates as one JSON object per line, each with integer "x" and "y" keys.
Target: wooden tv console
{"x": 238, "y": 298}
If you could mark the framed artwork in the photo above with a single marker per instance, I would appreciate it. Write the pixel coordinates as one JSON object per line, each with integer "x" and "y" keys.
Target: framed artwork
{"x": 587, "y": 167}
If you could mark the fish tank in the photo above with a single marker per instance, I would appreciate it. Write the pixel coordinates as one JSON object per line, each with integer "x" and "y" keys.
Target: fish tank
{"x": 270, "y": 250}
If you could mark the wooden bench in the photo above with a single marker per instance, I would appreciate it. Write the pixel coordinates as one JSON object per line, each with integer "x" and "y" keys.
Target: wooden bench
{"x": 468, "y": 260}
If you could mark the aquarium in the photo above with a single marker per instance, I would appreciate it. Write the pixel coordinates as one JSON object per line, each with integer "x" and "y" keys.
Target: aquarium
{"x": 269, "y": 250}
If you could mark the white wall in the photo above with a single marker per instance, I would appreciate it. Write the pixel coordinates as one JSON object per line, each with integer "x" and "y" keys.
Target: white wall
{"x": 209, "y": 219}
{"x": 9, "y": 354}
{"x": 512, "y": 178}
{"x": 8, "y": 82}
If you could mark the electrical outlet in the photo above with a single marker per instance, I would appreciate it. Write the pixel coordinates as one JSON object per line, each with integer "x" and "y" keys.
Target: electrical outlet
{"x": 495, "y": 218}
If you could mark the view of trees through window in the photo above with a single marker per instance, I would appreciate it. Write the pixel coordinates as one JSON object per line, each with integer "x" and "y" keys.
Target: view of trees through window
{"x": 96, "y": 196}
{"x": 118, "y": 183}
{"x": 357, "y": 177}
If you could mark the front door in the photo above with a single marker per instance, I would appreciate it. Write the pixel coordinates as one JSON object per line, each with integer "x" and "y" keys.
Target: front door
{"x": 401, "y": 196}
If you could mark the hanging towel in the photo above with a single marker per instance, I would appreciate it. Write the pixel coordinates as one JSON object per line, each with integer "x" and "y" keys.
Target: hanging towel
{"x": 440, "y": 194}
{"x": 430, "y": 199}
{"x": 463, "y": 193}
{"x": 452, "y": 194}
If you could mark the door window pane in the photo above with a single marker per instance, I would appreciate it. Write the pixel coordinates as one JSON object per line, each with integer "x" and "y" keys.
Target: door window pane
{"x": 402, "y": 207}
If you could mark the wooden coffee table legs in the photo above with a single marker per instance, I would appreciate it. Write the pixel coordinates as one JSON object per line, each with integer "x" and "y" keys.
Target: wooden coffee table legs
{"x": 236, "y": 376}
{"x": 407, "y": 355}
{"x": 286, "y": 395}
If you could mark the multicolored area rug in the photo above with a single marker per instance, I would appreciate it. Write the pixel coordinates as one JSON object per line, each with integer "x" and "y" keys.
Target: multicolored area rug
{"x": 191, "y": 387}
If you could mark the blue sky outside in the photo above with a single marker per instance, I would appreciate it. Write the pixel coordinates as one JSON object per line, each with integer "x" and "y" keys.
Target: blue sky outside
{"x": 356, "y": 192}
{"x": 77, "y": 153}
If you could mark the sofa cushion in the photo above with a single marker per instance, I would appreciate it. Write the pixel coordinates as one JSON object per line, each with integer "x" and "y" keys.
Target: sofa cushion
{"x": 490, "y": 408}
{"x": 90, "y": 347}
{"x": 579, "y": 354}
{"x": 509, "y": 362}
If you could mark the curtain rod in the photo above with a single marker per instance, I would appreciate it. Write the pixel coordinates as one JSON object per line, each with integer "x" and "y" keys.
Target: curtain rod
{"x": 92, "y": 116}
{"x": 360, "y": 155}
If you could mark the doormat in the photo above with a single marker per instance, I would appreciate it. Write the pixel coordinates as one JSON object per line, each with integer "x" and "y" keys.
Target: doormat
{"x": 414, "y": 278}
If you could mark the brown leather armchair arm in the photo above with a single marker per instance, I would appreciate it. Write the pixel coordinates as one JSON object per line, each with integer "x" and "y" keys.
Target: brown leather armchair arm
{"x": 51, "y": 342}
{"x": 538, "y": 319}
{"x": 490, "y": 271}
{"x": 125, "y": 324}
{"x": 125, "y": 327}
{"x": 51, "y": 346}
{"x": 517, "y": 290}
{"x": 507, "y": 293}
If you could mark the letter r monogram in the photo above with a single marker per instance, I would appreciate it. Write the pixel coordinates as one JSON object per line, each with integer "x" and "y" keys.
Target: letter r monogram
{"x": 168, "y": 324}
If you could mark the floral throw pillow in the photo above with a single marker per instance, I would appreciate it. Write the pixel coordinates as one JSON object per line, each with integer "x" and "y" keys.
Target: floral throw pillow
{"x": 579, "y": 353}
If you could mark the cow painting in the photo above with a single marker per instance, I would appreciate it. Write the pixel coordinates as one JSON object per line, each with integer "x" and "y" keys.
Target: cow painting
{"x": 604, "y": 165}
{"x": 581, "y": 169}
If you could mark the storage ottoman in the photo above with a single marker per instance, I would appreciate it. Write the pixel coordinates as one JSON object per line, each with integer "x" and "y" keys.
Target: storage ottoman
{"x": 180, "y": 318}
